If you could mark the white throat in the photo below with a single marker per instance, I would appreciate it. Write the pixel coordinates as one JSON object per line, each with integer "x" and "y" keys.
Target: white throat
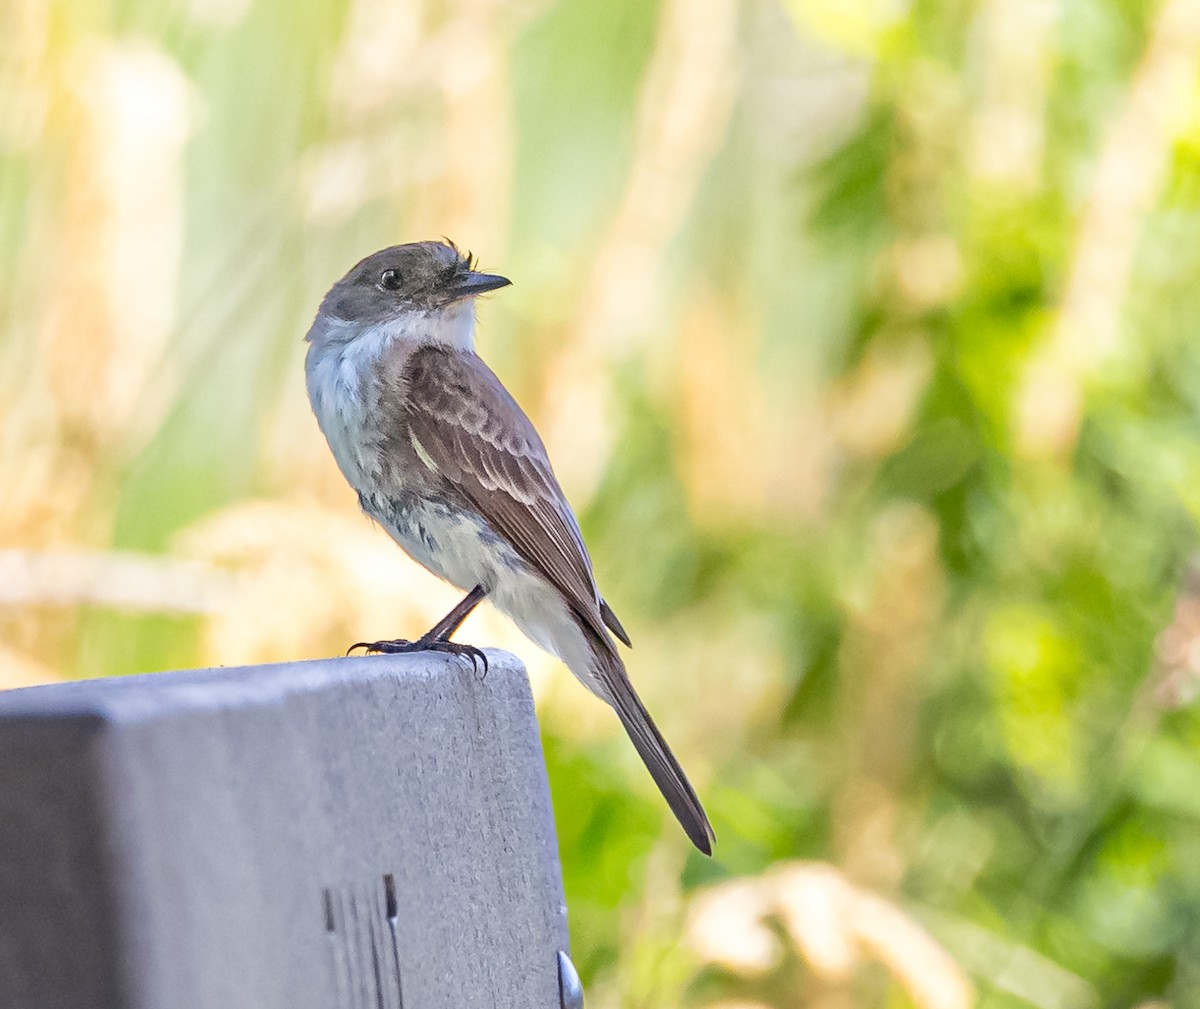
{"x": 453, "y": 326}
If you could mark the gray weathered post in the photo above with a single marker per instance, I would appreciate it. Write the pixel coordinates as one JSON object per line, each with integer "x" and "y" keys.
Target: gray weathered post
{"x": 368, "y": 833}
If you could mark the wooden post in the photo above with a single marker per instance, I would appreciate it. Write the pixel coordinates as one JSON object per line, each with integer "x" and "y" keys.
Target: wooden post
{"x": 366, "y": 833}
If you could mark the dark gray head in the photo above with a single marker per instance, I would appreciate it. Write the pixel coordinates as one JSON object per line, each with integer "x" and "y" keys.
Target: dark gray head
{"x": 422, "y": 277}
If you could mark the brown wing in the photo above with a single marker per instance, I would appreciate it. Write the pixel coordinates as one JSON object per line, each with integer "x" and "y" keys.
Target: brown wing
{"x": 480, "y": 440}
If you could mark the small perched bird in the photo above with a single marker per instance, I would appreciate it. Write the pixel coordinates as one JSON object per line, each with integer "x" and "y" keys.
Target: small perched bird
{"x": 446, "y": 461}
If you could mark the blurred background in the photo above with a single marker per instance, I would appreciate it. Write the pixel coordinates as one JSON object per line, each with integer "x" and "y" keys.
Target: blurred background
{"x": 863, "y": 335}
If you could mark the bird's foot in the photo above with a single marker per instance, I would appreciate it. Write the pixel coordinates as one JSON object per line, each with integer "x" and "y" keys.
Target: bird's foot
{"x": 401, "y": 646}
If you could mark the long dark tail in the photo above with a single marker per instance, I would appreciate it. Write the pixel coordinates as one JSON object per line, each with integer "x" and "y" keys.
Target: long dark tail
{"x": 653, "y": 750}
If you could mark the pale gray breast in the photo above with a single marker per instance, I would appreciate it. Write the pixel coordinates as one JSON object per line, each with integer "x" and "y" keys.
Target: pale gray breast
{"x": 339, "y": 392}
{"x": 356, "y": 393}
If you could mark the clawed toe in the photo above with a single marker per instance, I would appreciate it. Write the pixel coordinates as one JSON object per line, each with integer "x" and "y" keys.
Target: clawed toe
{"x": 395, "y": 647}
{"x": 401, "y": 646}
{"x": 476, "y": 655}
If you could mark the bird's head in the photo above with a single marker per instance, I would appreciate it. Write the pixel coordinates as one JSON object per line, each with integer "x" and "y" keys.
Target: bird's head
{"x": 423, "y": 290}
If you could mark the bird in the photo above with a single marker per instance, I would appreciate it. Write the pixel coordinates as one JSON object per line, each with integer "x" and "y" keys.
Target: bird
{"x": 443, "y": 458}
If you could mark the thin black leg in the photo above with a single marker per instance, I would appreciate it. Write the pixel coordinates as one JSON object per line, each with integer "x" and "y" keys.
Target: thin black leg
{"x": 445, "y": 628}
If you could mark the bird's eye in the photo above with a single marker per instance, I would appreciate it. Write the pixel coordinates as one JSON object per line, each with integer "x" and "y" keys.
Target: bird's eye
{"x": 389, "y": 280}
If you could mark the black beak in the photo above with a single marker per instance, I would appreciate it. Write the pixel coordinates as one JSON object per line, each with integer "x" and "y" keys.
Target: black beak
{"x": 472, "y": 283}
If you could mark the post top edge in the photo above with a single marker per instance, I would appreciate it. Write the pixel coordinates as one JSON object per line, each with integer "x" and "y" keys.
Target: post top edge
{"x": 131, "y": 697}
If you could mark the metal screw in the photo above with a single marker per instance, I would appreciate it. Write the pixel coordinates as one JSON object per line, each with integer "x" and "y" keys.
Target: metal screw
{"x": 570, "y": 990}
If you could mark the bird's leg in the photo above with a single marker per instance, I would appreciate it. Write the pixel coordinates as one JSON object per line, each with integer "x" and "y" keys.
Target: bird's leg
{"x": 444, "y": 628}
{"x": 437, "y": 638}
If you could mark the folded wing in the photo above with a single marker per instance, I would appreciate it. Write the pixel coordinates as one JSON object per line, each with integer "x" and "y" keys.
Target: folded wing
{"x": 479, "y": 439}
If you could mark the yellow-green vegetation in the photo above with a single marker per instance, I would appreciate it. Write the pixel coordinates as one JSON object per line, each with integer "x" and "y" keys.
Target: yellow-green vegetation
{"x": 863, "y": 335}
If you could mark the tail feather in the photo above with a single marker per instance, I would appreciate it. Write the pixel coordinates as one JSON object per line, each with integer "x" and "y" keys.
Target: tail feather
{"x": 664, "y": 768}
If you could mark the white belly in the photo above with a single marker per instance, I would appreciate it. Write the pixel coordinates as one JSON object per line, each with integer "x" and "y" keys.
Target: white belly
{"x": 455, "y": 546}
